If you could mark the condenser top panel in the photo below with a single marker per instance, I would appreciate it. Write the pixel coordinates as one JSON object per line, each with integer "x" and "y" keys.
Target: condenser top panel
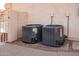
{"x": 33, "y": 25}
{"x": 53, "y": 26}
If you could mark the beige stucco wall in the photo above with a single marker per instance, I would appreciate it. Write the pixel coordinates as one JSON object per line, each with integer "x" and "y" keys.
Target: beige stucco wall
{"x": 22, "y": 20}
{"x": 41, "y": 13}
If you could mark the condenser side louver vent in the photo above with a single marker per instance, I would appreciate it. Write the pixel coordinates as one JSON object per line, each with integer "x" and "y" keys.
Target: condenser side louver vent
{"x": 53, "y": 35}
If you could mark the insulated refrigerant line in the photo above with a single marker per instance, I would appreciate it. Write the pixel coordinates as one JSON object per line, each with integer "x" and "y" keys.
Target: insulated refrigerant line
{"x": 67, "y": 26}
{"x": 52, "y": 15}
{"x": 68, "y": 18}
{"x": 51, "y": 20}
